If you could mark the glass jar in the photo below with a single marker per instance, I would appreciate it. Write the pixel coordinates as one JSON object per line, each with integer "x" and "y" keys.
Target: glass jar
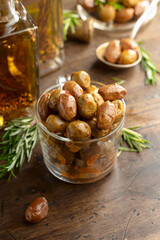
{"x": 18, "y": 62}
{"x": 78, "y": 161}
{"x": 47, "y": 15}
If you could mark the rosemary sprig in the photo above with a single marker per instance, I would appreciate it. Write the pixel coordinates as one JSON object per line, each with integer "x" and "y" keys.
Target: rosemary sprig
{"x": 100, "y": 3}
{"x": 17, "y": 144}
{"x": 70, "y": 20}
{"x": 148, "y": 66}
{"x": 134, "y": 140}
{"x": 116, "y": 5}
{"x": 118, "y": 80}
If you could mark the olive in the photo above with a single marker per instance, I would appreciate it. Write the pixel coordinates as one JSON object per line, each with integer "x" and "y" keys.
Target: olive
{"x": 82, "y": 78}
{"x": 107, "y": 13}
{"x": 96, "y": 132}
{"x": 124, "y": 15}
{"x": 106, "y": 115}
{"x": 43, "y": 106}
{"x": 91, "y": 89}
{"x": 67, "y": 106}
{"x": 112, "y": 92}
{"x": 119, "y": 110}
{"x": 88, "y": 5}
{"x": 64, "y": 155}
{"x": 140, "y": 8}
{"x": 56, "y": 124}
{"x": 128, "y": 56}
{"x": 129, "y": 3}
{"x": 73, "y": 88}
{"x": 87, "y": 107}
{"x": 113, "y": 51}
{"x": 78, "y": 130}
{"x": 128, "y": 43}
{"x": 37, "y": 210}
{"x": 54, "y": 99}
{"x": 97, "y": 98}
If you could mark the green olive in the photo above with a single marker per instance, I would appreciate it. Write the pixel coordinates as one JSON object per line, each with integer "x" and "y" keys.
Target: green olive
{"x": 54, "y": 99}
{"x": 91, "y": 89}
{"x": 82, "y": 78}
{"x": 97, "y": 98}
{"x": 119, "y": 110}
{"x": 107, "y": 13}
{"x": 87, "y": 107}
{"x": 129, "y": 3}
{"x": 128, "y": 56}
{"x": 56, "y": 124}
{"x": 78, "y": 130}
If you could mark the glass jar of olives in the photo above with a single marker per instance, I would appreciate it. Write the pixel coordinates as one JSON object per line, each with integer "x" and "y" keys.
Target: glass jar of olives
{"x": 77, "y": 151}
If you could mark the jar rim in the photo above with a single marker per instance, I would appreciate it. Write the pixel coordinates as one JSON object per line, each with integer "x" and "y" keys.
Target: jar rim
{"x": 64, "y": 139}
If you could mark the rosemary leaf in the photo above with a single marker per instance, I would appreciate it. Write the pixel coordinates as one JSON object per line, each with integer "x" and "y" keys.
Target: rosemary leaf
{"x": 70, "y": 20}
{"x": 133, "y": 140}
{"x": 17, "y": 144}
{"x": 118, "y": 81}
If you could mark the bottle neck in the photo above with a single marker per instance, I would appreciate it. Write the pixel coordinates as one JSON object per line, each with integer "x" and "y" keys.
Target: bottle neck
{"x": 7, "y": 11}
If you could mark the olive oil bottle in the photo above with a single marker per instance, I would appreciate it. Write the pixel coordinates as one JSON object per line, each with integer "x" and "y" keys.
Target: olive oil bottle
{"x": 18, "y": 61}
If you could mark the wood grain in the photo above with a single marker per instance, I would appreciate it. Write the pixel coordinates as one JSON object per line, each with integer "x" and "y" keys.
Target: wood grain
{"x": 122, "y": 206}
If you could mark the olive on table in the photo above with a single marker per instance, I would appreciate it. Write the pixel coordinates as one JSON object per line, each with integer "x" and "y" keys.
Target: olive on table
{"x": 73, "y": 88}
{"x": 113, "y": 51}
{"x": 124, "y": 15}
{"x": 82, "y": 78}
{"x": 129, "y": 3}
{"x": 112, "y": 92}
{"x": 43, "y": 106}
{"x": 128, "y": 43}
{"x": 87, "y": 107}
{"x": 67, "y": 106}
{"x": 78, "y": 130}
{"x": 37, "y": 210}
{"x": 128, "y": 56}
{"x": 54, "y": 98}
{"x": 106, "y": 115}
{"x": 107, "y": 13}
{"x": 56, "y": 124}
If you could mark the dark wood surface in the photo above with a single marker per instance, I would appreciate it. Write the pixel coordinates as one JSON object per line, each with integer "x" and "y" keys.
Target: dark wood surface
{"x": 122, "y": 206}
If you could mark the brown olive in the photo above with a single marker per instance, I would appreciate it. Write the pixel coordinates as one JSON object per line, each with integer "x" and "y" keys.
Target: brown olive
{"x": 119, "y": 110}
{"x": 140, "y": 8}
{"x": 78, "y": 130}
{"x": 107, "y": 13}
{"x": 96, "y": 132}
{"x": 37, "y": 210}
{"x": 128, "y": 43}
{"x": 56, "y": 124}
{"x": 106, "y": 115}
{"x": 112, "y": 92}
{"x": 129, "y": 3}
{"x": 97, "y": 98}
{"x": 113, "y": 51}
{"x": 124, "y": 15}
{"x": 67, "y": 106}
{"x": 88, "y": 5}
{"x": 128, "y": 56}
{"x": 43, "y": 106}
{"x": 82, "y": 78}
{"x": 54, "y": 99}
{"x": 91, "y": 89}
{"x": 73, "y": 88}
{"x": 87, "y": 107}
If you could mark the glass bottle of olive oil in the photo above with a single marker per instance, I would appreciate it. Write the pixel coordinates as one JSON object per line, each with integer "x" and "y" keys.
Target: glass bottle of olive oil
{"x": 47, "y": 14}
{"x": 18, "y": 61}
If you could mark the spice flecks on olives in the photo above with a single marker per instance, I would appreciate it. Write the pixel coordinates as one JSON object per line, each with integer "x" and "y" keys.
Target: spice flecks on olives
{"x": 87, "y": 107}
{"x": 82, "y": 78}
{"x": 112, "y": 92}
{"x": 54, "y": 99}
{"x": 78, "y": 130}
{"x": 56, "y": 124}
{"x": 73, "y": 88}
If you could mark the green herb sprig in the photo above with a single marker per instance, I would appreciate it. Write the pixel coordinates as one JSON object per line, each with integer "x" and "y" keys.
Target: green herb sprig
{"x": 148, "y": 66}
{"x": 100, "y": 3}
{"x": 118, "y": 80}
{"x": 17, "y": 144}
{"x": 134, "y": 140}
{"x": 70, "y": 20}
{"x": 116, "y": 5}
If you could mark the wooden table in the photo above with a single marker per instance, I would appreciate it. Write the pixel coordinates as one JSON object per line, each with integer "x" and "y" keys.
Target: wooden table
{"x": 123, "y": 205}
